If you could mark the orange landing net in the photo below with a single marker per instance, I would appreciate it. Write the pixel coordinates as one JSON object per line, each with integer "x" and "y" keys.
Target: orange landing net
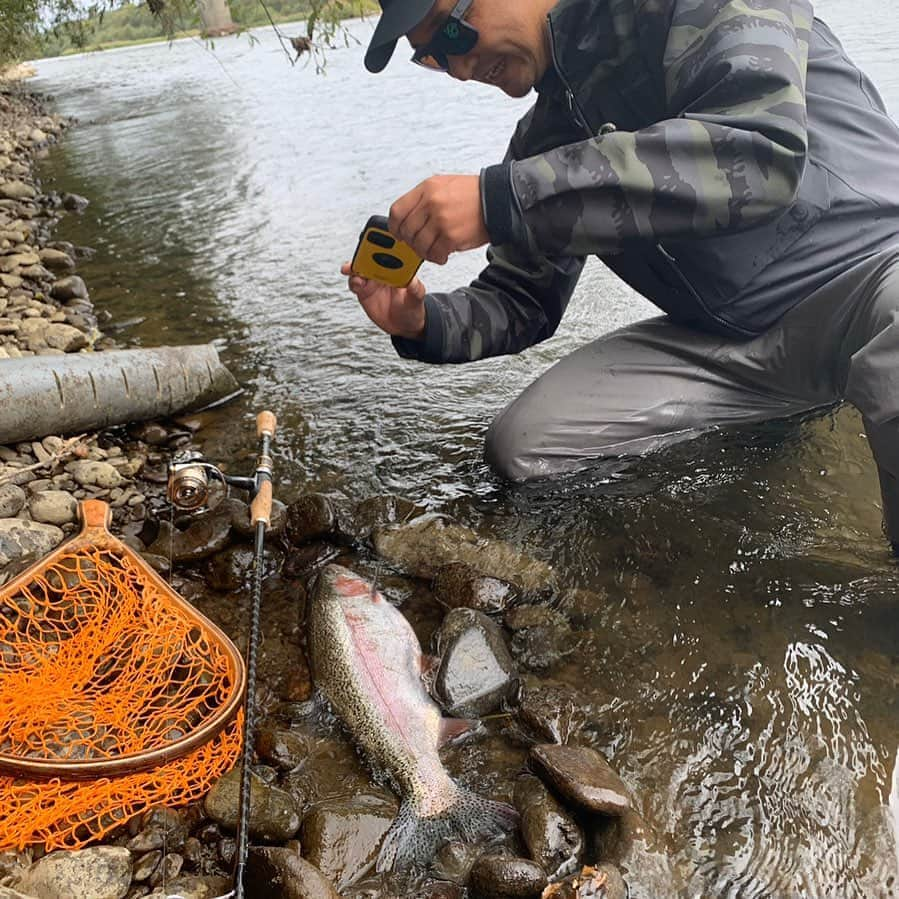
{"x": 115, "y": 694}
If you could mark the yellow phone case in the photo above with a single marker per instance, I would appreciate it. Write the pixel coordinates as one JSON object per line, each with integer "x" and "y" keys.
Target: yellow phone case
{"x": 382, "y": 257}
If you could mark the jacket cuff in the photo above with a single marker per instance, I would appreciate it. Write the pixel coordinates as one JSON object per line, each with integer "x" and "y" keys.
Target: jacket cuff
{"x": 500, "y": 206}
{"x": 430, "y": 347}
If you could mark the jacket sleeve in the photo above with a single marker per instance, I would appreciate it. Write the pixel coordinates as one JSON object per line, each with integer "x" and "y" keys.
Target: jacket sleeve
{"x": 515, "y": 302}
{"x": 729, "y": 156}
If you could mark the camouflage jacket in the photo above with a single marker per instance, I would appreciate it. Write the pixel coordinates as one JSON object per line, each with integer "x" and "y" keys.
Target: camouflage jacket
{"x": 724, "y": 157}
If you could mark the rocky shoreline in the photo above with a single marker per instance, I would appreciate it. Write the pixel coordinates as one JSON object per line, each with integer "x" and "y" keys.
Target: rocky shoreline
{"x": 316, "y": 816}
{"x": 45, "y": 309}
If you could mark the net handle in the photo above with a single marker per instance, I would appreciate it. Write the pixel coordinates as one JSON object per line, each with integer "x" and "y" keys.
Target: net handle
{"x": 95, "y": 515}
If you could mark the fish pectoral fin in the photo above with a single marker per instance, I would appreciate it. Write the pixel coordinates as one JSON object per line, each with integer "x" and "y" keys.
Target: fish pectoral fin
{"x": 453, "y": 729}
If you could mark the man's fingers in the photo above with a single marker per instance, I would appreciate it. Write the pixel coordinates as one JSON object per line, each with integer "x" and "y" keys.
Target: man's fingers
{"x": 412, "y": 225}
{"x": 401, "y": 209}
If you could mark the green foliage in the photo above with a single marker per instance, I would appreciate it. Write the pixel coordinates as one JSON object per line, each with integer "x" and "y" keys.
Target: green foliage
{"x": 32, "y": 28}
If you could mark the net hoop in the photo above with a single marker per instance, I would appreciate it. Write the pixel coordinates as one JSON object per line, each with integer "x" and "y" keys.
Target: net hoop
{"x": 95, "y": 535}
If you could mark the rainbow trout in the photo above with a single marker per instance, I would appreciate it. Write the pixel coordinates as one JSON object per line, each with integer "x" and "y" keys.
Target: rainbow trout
{"x": 367, "y": 662}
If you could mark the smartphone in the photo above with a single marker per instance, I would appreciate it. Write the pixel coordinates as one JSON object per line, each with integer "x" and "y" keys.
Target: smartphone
{"x": 382, "y": 257}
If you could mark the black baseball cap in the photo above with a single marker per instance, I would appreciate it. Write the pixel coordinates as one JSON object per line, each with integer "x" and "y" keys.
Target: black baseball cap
{"x": 398, "y": 17}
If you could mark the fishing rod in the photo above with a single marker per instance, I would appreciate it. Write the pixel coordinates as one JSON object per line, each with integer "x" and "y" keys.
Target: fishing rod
{"x": 188, "y": 489}
{"x": 260, "y": 516}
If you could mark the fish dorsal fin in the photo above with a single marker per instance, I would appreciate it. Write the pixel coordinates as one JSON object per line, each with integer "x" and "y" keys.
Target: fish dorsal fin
{"x": 452, "y": 729}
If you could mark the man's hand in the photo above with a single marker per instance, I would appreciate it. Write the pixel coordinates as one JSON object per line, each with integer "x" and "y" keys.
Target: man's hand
{"x": 441, "y": 216}
{"x": 400, "y": 311}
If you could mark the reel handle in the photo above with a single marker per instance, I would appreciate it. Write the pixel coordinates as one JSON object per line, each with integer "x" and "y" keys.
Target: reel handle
{"x": 266, "y": 422}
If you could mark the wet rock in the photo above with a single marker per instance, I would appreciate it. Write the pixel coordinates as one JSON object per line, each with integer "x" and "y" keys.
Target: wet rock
{"x": 551, "y": 712}
{"x": 69, "y": 288}
{"x": 501, "y": 876}
{"x": 476, "y": 672}
{"x": 310, "y": 517}
{"x": 342, "y": 839}
{"x": 541, "y": 636}
{"x": 283, "y": 748}
{"x": 92, "y": 473}
{"x": 74, "y": 202}
{"x": 441, "y": 889}
{"x": 458, "y": 585}
{"x": 159, "y": 828}
{"x": 231, "y": 569}
{"x": 167, "y": 869}
{"x": 583, "y": 776}
{"x": 208, "y": 533}
{"x": 20, "y": 538}
{"x": 102, "y": 872}
{"x": 53, "y": 507}
{"x": 273, "y": 813}
{"x": 375, "y": 511}
{"x": 554, "y": 839}
{"x": 298, "y": 683}
{"x": 277, "y": 872}
{"x": 146, "y": 865}
{"x": 423, "y": 545}
{"x": 306, "y": 560}
{"x": 12, "y": 499}
{"x": 188, "y": 886}
{"x": 599, "y": 882}
{"x": 240, "y": 519}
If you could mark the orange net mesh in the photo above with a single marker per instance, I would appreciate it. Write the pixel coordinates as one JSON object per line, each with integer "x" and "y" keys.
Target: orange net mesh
{"x": 115, "y": 694}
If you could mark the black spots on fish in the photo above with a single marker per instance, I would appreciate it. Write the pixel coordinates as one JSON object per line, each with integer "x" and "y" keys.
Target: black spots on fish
{"x": 413, "y": 841}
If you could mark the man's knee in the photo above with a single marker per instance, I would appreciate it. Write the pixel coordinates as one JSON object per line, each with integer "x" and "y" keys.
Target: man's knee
{"x": 506, "y": 449}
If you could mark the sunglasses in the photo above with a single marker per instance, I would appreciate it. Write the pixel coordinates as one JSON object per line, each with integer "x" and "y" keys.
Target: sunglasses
{"x": 455, "y": 37}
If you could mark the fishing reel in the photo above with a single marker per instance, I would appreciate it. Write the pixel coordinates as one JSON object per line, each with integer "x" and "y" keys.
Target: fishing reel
{"x": 190, "y": 473}
{"x": 189, "y": 478}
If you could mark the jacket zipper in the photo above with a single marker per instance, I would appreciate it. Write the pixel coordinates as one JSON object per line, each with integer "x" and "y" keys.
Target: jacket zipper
{"x": 581, "y": 120}
{"x": 573, "y": 107}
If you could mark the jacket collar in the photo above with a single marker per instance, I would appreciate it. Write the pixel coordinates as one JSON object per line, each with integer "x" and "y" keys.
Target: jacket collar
{"x": 590, "y": 38}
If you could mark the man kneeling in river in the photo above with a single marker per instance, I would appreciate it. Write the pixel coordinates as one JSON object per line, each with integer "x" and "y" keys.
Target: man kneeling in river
{"x": 723, "y": 157}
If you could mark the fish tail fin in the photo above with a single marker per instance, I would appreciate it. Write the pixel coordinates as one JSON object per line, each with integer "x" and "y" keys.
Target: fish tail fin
{"x": 413, "y": 839}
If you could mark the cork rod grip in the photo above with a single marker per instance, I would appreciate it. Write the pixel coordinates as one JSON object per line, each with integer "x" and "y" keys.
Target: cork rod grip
{"x": 266, "y": 424}
{"x": 261, "y": 507}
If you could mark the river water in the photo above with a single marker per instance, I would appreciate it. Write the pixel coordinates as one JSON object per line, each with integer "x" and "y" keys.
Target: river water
{"x": 742, "y": 676}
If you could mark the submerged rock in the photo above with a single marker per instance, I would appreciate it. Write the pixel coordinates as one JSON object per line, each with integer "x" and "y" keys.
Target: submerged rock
{"x": 380, "y": 510}
{"x": 550, "y": 712}
{"x": 476, "y": 672}
{"x": 541, "y": 636}
{"x": 458, "y": 585}
{"x": 424, "y": 544}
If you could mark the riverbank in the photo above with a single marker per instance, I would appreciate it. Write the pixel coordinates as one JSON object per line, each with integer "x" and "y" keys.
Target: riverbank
{"x": 45, "y": 309}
